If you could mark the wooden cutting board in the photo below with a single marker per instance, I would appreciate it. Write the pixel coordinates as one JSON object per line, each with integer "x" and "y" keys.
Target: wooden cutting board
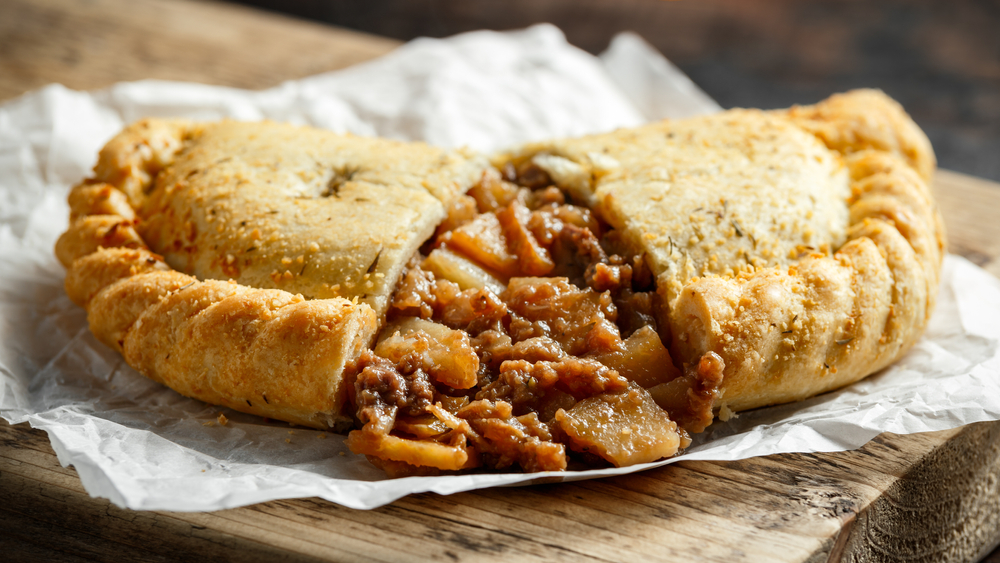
{"x": 923, "y": 497}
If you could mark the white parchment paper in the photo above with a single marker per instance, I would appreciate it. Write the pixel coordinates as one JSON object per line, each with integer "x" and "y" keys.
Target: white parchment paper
{"x": 145, "y": 447}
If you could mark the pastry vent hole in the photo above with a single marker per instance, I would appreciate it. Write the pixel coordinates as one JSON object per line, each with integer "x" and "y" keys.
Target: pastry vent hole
{"x": 337, "y": 181}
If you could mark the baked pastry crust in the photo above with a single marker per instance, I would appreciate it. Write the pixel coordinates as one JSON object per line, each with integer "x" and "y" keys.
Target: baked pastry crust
{"x": 802, "y": 246}
{"x": 261, "y": 351}
{"x": 793, "y": 252}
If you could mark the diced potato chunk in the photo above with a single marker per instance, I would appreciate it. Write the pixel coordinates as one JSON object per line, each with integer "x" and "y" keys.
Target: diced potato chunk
{"x": 461, "y": 210}
{"x": 531, "y": 257}
{"x": 624, "y": 428}
{"x": 493, "y": 193}
{"x": 444, "y": 353}
{"x": 578, "y": 216}
{"x": 414, "y": 452}
{"x": 462, "y": 271}
{"x": 509, "y": 440}
{"x": 482, "y": 240}
{"x": 691, "y": 398}
{"x": 642, "y": 359}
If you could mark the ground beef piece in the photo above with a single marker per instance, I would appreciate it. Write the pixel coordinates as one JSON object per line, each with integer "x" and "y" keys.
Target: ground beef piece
{"x": 415, "y": 294}
{"x": 537, "y": 349}
{"x": 494, "y": 347}
{"x": 492, "y": 193}
{"x": 584, "y": 377}
{"x": 509, "y": 443}
{"x": 523, "y": 388}
{"x": 534, "y": 426}
{"x": 550, "y": 196}
{"x": 445, "y": 354}
{"x": 532, "y": 176}
{"x": 421, "y": 294}
{"x": 567, "y": 231}
{"x": 583, "y": 243}
{"x": 642, "y": 277}
{"x": 381, "y": 391}
{"x": 502, "y": 440}
{"x": 612, "y": 276}
{"x": 581, "y": 321}
{"x": 521, "y": 328}
{"x": 536, "y": 386}
{"x": 473, "y": 310}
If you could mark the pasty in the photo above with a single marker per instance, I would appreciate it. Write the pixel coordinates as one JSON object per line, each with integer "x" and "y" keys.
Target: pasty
{"x": 591, "y": 300}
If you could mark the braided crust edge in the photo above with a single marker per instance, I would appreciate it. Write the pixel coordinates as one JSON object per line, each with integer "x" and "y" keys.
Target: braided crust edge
{"x": 262, "y": 351}
{"x": 828, "y": 321}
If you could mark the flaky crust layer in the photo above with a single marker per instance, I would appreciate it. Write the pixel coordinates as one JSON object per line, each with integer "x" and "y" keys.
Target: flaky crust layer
{"x": 802, "y": 246}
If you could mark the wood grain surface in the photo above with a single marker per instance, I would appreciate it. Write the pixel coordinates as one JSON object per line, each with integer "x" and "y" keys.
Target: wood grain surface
{"x": 924, "y": 497}
{"x": 90, "y": 44}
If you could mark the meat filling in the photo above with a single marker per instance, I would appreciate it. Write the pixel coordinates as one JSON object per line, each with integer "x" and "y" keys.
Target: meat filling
{"x": 523, "y": 337}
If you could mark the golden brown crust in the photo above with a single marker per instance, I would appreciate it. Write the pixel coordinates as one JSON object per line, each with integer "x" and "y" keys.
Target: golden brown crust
{"x": 90, "y": 233}
{"x": 856, "y": 312}
{"x": 91, "y": 273}
{"x": 121, "y": 304}
{"x": 867, "y": 119}
{"x": 98, "y": 199}
{"x": 132, "y": 159}
{"x": 265, "y": 352}
{"x": 796, "y": 299}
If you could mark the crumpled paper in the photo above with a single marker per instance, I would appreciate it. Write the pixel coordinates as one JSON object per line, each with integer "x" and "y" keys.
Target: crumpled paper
{"x": 146, "y": 447}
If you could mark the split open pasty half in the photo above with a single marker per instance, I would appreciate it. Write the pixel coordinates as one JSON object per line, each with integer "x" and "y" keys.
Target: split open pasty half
{"x": 802, "y": 246}
{"x": 590, "y": 300}
{"x": 312, "y": 227}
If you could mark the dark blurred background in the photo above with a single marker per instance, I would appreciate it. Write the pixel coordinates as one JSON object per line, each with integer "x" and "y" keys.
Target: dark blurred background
{"x": 940, "y": 59}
